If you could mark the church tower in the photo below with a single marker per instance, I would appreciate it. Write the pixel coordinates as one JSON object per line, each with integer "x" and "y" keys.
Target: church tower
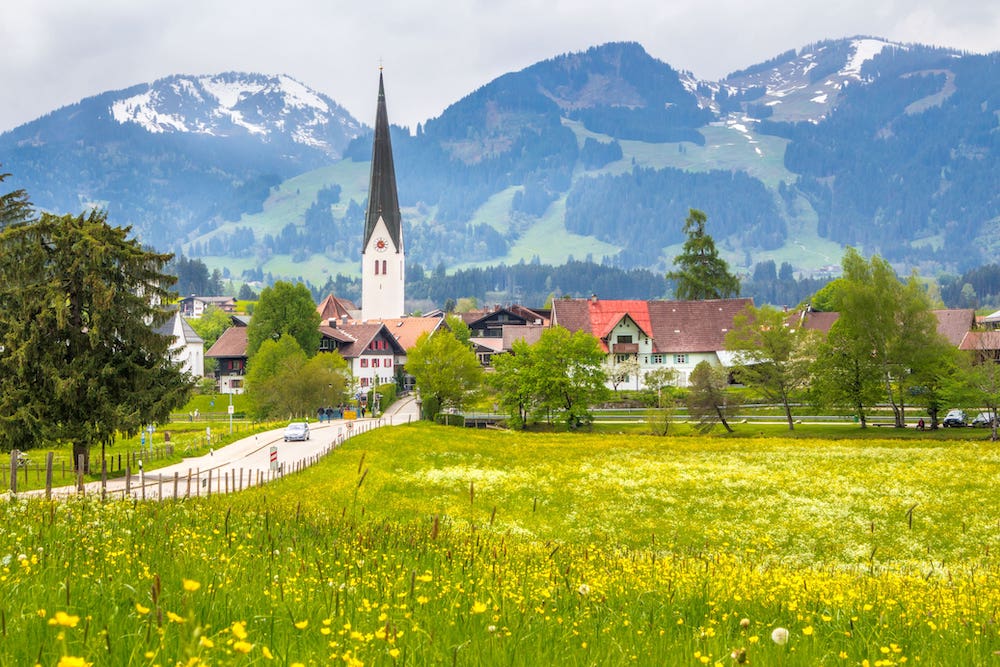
{"x": 383, "y": 261}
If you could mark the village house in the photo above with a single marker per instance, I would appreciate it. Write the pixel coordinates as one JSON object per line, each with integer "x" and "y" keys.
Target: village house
{"x": 195, "y": 306}
{"x": 494, "y": 331}
{"x": 187, "y": 349}
{"x": 649, "y": 335}
{"x": 230, "y": 353}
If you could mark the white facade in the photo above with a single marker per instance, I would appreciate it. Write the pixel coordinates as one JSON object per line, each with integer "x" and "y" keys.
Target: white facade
{"x": 187, "y": 348}
{"x": 630, "y": 347}
{"x": 382, "y": 276}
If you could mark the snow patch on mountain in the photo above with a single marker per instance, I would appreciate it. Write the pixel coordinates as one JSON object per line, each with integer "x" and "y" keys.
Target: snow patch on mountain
{"x": 864, "y": 50}
{"x": 231, "y": 104}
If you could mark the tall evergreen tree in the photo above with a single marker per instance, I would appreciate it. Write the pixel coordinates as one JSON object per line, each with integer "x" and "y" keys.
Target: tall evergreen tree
{"x": 81, "y": 360}
{"x": 14, "y": 206}
{"x": 701, "y": 273}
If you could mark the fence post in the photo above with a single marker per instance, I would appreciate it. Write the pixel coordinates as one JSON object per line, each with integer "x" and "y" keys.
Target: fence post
{"x": 79, "y": 474}
{"x": 104, "y": 479}
{"x": 13, "y": 471}
{"x": 48, "y": 475}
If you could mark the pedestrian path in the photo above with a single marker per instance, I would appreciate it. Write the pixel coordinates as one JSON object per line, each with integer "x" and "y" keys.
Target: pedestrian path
{"x": 250, "y": 461}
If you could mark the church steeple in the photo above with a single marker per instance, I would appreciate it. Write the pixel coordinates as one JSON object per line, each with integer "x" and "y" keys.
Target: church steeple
{"x": 382, "y": 199}
{"x": 383, "y": 260}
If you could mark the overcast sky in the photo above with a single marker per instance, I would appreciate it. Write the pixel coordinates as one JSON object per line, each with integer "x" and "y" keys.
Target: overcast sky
{"x": 56, "y": 52}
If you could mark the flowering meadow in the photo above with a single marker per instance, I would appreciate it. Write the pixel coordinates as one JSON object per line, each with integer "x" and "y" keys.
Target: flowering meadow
{"x": 426, "y": 545}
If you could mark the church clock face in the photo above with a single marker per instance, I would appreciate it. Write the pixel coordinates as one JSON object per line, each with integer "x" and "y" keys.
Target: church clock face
{"x": 381, "y": 245}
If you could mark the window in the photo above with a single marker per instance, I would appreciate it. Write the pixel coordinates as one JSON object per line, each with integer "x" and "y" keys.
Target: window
{"x": 621, "y": 358}
{"x": 680, "y": 358}
{"x": 388, "y": 363}
{"x": 625, "y": 339}
{"x": 383, "y": 267}
{"x": 364, "y": 363}
{"x": 376, "y": 267}
{"x": 364, "y": 382}
{"x": 374, "y": 363}
{"x": 657, "y": 358}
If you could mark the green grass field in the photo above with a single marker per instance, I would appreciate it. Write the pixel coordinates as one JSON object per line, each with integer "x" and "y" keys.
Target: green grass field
{"x": 423, "y": 545}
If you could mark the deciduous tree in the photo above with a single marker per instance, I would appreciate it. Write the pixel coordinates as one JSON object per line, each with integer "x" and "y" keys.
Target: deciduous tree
{"x": 571, "y": 368}
{"x": 516, "y": 380}
{"x": 708, "y": 401}
{"x": 770, "y": 356}
{"x": 892, "y": 322}
{"x": 283, "y": 383}
{"x": 285, "y": 308}
{"x": 846, "y": 374}
{"x": 446, "y": 371}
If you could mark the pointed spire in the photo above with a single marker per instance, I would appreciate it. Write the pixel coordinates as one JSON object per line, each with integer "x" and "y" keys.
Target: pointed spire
{"x": 382, "y": 198}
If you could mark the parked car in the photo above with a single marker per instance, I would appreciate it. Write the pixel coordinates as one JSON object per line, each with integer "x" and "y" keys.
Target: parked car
{"x": 954, "y": 418}
{"x": 297, "y": 431}
{"x": 982, "y": 419}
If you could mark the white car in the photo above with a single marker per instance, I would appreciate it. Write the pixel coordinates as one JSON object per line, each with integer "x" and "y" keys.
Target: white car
{"x": 297, "y": 431}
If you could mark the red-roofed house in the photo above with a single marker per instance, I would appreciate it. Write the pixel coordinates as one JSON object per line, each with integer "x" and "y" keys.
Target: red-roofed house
{"x": 655, "y": 334}
{"x": 370, "y": 350}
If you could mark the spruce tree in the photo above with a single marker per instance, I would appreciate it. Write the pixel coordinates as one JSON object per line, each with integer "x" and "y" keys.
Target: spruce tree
{"x": 701, "y": 274}
{"x": 81, "y": 361}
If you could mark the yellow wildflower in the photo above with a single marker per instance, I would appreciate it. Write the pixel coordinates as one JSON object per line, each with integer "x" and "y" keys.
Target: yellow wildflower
{"x": 242, "y": 647}
{"x": 478, "y": 607}
{"x": 64, "y": 619}
{"x": 239, "y": 630}
{"x": 205, "y": 642}
{"x": 191, "y": 585}
{"x": 141, "y": 609}
{"x": 73, "y": 661}
{"x": 302, "y": 625}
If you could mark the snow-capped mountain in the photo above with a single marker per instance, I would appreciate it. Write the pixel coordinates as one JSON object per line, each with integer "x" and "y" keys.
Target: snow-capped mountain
{"x": 887, "y": 147}
{"x": 233, "y": 104}
{"x": 178, "y": 155}
{"x": 806, "y": 85}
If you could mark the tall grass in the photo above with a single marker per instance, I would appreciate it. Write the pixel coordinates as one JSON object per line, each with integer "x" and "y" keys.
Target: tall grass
{"x": 425, "y": 545}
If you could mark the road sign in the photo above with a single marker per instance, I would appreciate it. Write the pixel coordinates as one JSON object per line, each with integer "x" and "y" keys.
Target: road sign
{"x": 274, "y": 457}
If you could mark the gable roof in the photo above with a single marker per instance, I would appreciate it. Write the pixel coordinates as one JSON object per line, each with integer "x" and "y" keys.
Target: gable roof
{"x": 232, "y": 343}
{"x": 813, "y": 320}
{"x": 955, "y": 323}
{"x": 980, "y": 341}
{"x": 335, "y": 308}
{"x": 693, "y": 326}
{"x": 406, "y": 330}
{"x": 674, "y": 326}
{"x": 383, "y": 201}
{"x": 178, "y": 328}
{"x": 355, "y": 338}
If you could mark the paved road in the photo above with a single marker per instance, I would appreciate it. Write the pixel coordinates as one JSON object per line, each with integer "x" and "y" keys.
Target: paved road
{"x": 252, "y": 461}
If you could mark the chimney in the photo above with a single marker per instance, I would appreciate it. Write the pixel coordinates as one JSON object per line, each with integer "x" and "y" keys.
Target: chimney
{"x": 593, "y": 298}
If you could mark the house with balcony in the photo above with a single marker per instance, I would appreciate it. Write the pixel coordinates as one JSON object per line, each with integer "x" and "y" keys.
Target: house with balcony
{"x": 195, "y": 306}
{"x": 640, "y": 337}
{"x": 230, "y": 353}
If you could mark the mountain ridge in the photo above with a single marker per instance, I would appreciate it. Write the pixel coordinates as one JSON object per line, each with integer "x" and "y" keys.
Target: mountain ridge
{"x": 857, "y": 141}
